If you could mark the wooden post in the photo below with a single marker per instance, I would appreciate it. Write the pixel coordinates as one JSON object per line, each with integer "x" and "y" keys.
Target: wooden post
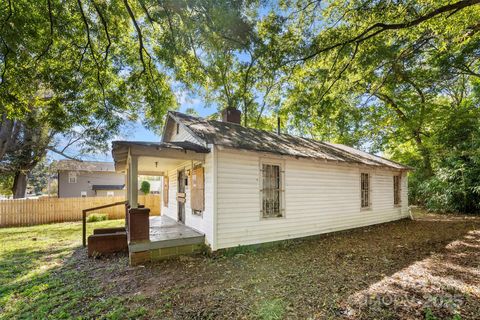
{"x": 127, "y": 182}
{"x": 134, "y": 181}
{"x": 84, "y": 228}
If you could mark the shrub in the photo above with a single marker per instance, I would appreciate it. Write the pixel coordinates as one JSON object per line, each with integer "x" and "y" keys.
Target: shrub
{"x": 97, "y": 217}
{"x": 145, "y": 187}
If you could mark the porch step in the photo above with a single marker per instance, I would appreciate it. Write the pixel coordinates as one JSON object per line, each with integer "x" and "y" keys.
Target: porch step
{"x": 107, "y": 243}
{"x": 166, "y": 249}
{"x": 167, "y": 243}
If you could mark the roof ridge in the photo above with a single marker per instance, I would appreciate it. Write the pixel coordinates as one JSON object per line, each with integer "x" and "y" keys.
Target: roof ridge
{"x": 238, "y": 136}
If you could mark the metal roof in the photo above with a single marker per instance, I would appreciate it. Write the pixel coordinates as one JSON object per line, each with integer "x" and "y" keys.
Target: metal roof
{"x": 238, "y": 137}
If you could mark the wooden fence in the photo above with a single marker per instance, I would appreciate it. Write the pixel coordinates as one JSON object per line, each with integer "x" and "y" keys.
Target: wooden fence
{"x": 27, "y": 212}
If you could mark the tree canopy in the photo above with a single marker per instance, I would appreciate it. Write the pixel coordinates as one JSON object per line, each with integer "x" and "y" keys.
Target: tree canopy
{"x": 76, "y": 71}
{"x": 399, "y": 77}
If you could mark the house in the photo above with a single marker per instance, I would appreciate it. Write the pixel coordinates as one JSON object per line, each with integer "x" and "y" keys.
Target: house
{"x": 228, "y": 185}
{"x": 89, "y": 179}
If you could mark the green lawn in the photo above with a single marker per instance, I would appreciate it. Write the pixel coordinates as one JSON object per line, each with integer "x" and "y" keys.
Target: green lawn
{"x": 43, "y": 274}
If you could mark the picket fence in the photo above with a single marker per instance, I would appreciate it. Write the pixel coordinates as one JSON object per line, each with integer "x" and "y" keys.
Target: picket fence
{"x": 28, "y": 212}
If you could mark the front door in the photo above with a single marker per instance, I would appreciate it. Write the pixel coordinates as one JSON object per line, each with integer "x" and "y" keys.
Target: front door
{"x": 181, "y": 196}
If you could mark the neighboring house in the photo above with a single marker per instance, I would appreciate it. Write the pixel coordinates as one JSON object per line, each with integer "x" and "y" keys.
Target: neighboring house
{"x": 89, "y": 179}
{"x": 242, "y": 186}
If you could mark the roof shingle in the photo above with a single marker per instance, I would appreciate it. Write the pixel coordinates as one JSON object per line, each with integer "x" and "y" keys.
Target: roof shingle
{"x": 238, "y": 137}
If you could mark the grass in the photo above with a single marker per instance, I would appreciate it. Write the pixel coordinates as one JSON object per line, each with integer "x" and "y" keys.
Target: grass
{"x": 270, "y": 310}
{"x": 40, "y": 277}
{"x": 45, "y": 274}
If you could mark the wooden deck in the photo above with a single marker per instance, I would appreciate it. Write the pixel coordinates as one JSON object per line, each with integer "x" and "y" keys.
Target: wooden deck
{"x": 167, "y": 233}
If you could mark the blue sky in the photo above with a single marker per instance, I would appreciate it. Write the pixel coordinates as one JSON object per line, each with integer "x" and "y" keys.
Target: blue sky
{"x": 135, "y": 131}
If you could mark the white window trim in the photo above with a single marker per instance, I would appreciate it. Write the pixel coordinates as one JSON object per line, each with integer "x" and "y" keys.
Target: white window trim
{"x": 281, "y": 164}
{"x": 72, "y": 174}
{"x": 370, "y": 191}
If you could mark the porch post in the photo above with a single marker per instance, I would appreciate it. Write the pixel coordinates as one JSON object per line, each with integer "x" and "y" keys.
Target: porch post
{"x": 133, "y": 182}
{"x": 127, "y": 184}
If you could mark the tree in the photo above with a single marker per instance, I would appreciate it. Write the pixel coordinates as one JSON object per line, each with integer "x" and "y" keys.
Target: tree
{"x": 145, "y": 187}
{"x": 73, "y": 72}
{"x": 379, "y": 75}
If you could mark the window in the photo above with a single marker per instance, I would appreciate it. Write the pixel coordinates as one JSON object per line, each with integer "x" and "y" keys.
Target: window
{"x": 365, "y": 190}
{"x": 396, "y": 190}
{"x": 72, "y": 177}
{"x": 178, "y": 128}
{"x": 83, "y": 194}
{"x": 271, "y": 191}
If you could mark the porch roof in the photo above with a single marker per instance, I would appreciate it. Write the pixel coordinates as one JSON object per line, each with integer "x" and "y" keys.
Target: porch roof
{"x": 185, "y": 150}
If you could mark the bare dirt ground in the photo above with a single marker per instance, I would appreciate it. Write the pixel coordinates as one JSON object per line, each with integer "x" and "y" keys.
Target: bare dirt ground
{"x": 423, "y": 269}
{"x": 428, "y": 268}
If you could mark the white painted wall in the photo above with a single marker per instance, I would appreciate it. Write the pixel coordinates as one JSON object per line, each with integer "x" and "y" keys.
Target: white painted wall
{"x": 202, "y": 223}
{"x": 182, "y": 135}
{"x": 319, "y": 197}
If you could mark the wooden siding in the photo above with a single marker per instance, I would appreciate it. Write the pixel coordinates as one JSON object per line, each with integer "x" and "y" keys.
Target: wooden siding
{"x": 182, "y": 135}
{"x": 27, "y": 212}
{"x": 202, "y": 222}
{"x": 319, "y": 198}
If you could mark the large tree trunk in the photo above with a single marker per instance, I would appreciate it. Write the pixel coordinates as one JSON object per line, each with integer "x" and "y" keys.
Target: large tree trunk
{"x": 19, "y": 185}
{"x": 9, "y": 130}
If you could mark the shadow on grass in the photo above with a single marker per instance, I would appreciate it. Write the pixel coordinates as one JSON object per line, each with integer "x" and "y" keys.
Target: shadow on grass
{"x": 65, "y": 288}
{"x": 326, "y": 277}
{"x": 444, "y": 284}
{"x": 314, "y": 278}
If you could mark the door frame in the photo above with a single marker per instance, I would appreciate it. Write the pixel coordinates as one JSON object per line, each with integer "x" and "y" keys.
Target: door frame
{"x": 181, "y": 195}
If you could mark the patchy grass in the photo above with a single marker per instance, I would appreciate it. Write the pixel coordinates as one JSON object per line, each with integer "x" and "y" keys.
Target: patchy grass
{"x": 424, "y": 269}
{"x": 43, "y": 274}
{"x": 270, "y": 309}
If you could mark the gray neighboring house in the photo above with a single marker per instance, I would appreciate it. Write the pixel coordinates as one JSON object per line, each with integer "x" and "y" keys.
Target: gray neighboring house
{"x": 89, "y": 179}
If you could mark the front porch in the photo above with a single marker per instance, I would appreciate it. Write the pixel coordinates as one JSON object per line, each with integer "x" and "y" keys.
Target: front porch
{"x": 167, "y": 238}
{"x": 155, "y": 238}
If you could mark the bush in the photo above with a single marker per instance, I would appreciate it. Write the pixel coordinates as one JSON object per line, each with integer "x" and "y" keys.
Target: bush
{"x": 145, "y": 187}
{"x": 97, "y": 217}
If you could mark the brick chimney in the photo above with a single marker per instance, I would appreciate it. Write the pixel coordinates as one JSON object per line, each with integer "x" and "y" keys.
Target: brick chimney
{"x": 231, "y": 115}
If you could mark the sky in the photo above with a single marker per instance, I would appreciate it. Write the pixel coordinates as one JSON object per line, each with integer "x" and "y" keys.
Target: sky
{"x": 135, "y": 131}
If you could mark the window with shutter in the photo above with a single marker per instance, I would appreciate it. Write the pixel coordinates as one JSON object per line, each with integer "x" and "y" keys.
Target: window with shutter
{"x": 197, "y": 189}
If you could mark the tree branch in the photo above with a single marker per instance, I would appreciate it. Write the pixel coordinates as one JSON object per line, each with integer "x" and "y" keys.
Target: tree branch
{"x": 139, "y": 34}
{"x": 89, "y": 45}
{"x": 7, "y": 49}
{"x": 105, "y": 28}
{"x": 380, "y": 27}
{"x": 50, "y": 42}
{"x": 51, "y": 148}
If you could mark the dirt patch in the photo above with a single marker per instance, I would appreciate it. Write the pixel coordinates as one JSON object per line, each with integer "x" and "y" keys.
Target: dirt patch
{"x": 400, "y": 270}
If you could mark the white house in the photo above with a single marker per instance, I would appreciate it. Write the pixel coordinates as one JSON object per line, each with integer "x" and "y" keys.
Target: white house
{"x": 241, "y": 186}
